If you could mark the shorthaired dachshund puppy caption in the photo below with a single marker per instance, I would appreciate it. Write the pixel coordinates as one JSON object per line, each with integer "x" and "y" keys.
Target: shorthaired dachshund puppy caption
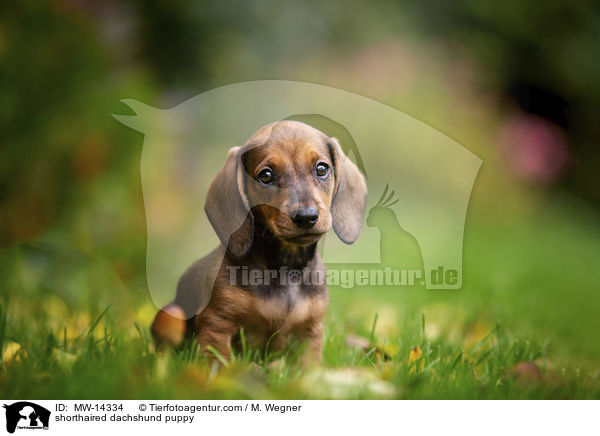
{"x": 270, "y": 203}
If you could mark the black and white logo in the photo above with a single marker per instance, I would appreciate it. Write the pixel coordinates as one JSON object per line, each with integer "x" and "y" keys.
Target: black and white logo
{"x": 26, "y": 415}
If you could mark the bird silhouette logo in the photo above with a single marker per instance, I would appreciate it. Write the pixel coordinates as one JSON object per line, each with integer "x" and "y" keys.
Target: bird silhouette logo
{"x": 398, "y": 248}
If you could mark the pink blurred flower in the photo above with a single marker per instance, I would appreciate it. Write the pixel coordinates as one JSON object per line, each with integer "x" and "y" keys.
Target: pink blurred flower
{"x": 536, "y": 149}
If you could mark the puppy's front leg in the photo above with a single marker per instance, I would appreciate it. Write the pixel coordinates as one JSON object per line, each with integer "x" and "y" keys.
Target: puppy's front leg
{"x": 312, "y": 336}
{"x": 214, "y": 330}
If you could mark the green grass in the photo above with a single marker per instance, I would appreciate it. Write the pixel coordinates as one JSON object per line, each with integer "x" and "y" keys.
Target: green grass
{"x": 114, "y": 365}
{"x": 530, "y": 295}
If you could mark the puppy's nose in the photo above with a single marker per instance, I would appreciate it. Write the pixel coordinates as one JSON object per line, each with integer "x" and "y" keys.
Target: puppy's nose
{"x": 305, "y": 218}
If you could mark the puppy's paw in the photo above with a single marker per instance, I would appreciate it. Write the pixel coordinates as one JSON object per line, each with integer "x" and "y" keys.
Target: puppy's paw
{"x": 169, "y": 325}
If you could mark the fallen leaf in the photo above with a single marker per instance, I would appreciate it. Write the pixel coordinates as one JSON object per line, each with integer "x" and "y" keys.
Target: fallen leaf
{"x": 11, "y": 351}
{"x": 526, "y": 373}
{"x": 64, "y": 358}
{"x": 363, "y": 344}
{"x": 415, "y": 357}
{"x": 475, "y": 334}
{"x": 358, "y": 342}
{"x": 345, "y": 383}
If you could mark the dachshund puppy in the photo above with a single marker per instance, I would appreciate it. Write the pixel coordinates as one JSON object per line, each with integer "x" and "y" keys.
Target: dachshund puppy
{"x": 269, "y": 204}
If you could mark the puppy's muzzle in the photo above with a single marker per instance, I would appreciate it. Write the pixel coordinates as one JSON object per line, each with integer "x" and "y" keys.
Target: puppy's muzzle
{"x": 305, "y": 218}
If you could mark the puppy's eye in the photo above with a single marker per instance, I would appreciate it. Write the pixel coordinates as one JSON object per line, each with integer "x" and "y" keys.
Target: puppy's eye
{"x": 322, "y": 169}
{"x": 266, "y": 176}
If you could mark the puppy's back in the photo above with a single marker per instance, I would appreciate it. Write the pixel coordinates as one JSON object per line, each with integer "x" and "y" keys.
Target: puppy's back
{"x": 193, "y": 295}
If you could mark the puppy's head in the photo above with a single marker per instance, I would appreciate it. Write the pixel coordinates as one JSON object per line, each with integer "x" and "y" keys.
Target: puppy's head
{"x": 293, "y": 180}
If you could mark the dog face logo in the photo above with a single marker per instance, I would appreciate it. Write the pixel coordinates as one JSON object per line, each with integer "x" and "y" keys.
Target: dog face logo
{"x": 26, "y": 415}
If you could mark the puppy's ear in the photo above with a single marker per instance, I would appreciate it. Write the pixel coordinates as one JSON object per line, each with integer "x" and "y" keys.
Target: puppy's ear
{"x": 350, "y": 195}
{"x": 227, "y": 205}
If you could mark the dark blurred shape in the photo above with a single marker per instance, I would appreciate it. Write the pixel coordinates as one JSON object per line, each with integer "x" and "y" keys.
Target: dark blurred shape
{"x": 536, "y": 100}
{"x": 177, "y": 38}
{"x": 543, "y": 56}
{"x": 57, "y": 90}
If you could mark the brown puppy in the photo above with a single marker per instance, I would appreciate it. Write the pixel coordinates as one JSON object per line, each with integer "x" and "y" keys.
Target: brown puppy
{"x": 269, "y": 204}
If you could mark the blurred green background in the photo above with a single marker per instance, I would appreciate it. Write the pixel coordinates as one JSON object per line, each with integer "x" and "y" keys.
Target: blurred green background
{"x": 515, "y": 82}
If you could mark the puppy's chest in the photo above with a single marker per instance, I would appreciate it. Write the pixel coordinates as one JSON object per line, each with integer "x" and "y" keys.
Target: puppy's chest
{"x": 289, "y": 307}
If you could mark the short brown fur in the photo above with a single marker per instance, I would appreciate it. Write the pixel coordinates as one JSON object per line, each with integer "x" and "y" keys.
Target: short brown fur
{"x": 263, "y": 227}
